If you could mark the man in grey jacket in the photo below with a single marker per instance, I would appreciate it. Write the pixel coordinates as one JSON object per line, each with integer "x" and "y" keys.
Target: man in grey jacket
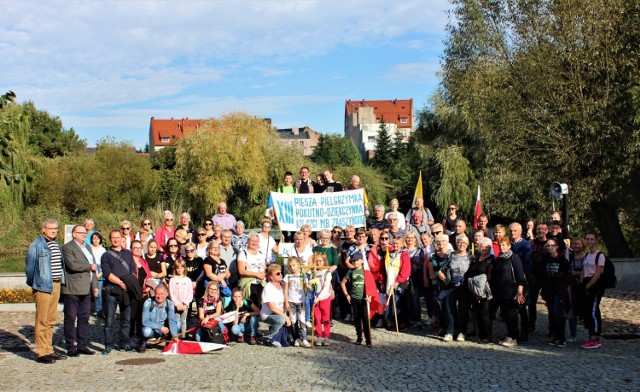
{"x": 79, "y": 265}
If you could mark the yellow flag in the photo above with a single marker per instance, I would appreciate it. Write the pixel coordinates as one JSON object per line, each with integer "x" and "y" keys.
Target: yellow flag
{"x": 418, "y": 192}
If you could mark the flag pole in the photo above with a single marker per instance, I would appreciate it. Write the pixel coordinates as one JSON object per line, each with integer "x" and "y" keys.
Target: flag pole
{"x": 368, "y": 316}
{"x": 395, "y": 313}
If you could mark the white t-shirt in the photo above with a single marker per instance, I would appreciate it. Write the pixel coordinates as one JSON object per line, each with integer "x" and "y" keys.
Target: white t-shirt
{"x": 296, "y": 287}
{"x": 252, "y": 263}
{"x": 266, "y": 248}
{"x": 304, "y": 256}
{"x": 273, "y": 294}
{"x": 589, "y": 265}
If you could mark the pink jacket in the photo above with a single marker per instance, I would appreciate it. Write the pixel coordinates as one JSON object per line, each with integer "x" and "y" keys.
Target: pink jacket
{"x": 163, "y": 235}
{"x": 181, "y": 290}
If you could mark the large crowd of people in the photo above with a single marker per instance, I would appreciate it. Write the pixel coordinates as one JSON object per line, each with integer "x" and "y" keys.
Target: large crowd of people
{"x": 214, "y": 282}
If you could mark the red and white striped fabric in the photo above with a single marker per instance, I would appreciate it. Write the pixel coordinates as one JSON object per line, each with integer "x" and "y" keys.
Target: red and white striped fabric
{"x": 183, "y": 347}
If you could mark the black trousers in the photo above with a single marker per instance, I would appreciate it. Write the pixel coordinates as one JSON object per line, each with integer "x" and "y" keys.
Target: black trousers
{"x": 361, "y": 319}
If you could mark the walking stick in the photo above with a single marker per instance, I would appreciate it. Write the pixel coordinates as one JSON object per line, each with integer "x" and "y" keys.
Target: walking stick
{"x": 395, "y": 313}
{"x": 154, "y": 341}
{"x": 368, "y": 318}
{"x": 313, "y": 307}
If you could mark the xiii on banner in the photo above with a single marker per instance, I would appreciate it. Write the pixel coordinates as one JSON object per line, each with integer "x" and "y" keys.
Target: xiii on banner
{"x": 319, "y": 210}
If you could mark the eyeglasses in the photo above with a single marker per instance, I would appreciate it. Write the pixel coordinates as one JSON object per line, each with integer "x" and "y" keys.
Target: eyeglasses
{"x": 266, "y": 225}
{"x": 173, "y": 245}
{"x": 146, "y": 224}
{"x": 437, "y": 232}
{"x": 278, "y": 273}
{"x": 451, "y": 208}
{"x": 126, "y": 228}
{"x": 169, "y": 219}
{"x": 393, "y": 219}
{"x": 337, "y": 232}
{"x": 208, "y": 224}
{"x": 81, "y": 232}
{"x": 201, "y": 234}
{"x": 190, "y": 250}
{"x": 384, "y": 238}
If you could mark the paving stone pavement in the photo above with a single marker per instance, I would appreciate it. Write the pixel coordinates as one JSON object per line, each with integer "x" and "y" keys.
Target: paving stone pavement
{"x": 413, "y": 360}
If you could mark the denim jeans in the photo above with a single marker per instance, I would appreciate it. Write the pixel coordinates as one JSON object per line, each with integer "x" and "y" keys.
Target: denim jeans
{"x": 251, "y": 324}
{"x": 275, "y": 324}
{"x": 111, "y": 335}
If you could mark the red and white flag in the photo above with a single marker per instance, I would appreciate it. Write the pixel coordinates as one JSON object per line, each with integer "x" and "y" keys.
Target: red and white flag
{"x": 182, "y": 347}
{"x": 478, "y": 211}
{"x": 370, "y": 287}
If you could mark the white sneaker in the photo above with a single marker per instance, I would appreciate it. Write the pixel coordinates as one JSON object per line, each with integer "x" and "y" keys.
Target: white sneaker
{"x": 308, "y": 324}
{"x": 448, "y": 338}
{"x": 326, "y": 342}
{"x": 460, "y": 338}
{"x": 276, "y": 344}
{"x": 508, "y": 342}
{"x": 296, "y": 343}
{"x": 305, "y": 343}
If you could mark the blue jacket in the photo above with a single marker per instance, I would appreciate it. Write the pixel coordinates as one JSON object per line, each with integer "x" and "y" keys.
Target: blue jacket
{"x": 157, "y": 317}
{"x": 38, "y": 266}
{"x": 523, "y": 249}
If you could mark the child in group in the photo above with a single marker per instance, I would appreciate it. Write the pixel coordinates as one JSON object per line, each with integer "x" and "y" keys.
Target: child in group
{"x": 358, "y": 299}
{"x": 323, "y": 296}
{"x": 247, "y": 317}
{"x": 181, "y": 292}
{"x": 209, "y": 307}
{"x": 295, "y": 288}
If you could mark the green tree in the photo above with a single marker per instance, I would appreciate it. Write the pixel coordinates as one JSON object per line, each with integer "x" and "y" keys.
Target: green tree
{"x": 17, "y": 164}
{"x": 383, "y": 158}
{"x": 544, "y": 88}
{"x": 48, "y": 136}
{"x": 237, "y": 158}
{"x": 114, "y": 179}
{"x": 333, "y": 150}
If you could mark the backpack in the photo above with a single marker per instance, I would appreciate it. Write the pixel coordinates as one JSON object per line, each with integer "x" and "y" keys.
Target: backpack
{"x": 608, "y": 278}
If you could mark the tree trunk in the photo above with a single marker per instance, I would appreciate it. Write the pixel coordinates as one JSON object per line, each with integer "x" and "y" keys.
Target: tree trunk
{"x": 610, "y": 230}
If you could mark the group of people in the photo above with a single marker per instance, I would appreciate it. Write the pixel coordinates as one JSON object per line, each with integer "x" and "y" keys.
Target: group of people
{"x": 216, "y": 282}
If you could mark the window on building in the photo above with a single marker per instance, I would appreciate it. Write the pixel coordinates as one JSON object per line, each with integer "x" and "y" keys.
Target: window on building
{"x": 404, "y": 120}
{"x": 165, "y": 140}
{"x": 371, "y": 139}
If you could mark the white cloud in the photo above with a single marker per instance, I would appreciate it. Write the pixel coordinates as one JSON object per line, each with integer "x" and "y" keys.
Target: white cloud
{"x": 414, "y": 72}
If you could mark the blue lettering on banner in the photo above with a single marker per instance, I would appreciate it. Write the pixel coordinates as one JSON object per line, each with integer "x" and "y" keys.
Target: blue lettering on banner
{"x": 285, "y": 209}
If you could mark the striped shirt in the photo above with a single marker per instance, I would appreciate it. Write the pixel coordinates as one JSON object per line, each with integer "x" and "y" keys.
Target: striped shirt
{"x": 56, "y": 260}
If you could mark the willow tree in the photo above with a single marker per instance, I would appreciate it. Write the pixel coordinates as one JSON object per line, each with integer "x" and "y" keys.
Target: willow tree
{"x": 237, "y": 158}
{"x": 17, "y": 165}
{"x": 545, "y": 89}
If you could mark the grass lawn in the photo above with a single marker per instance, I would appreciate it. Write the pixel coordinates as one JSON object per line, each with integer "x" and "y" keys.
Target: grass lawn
{"x": 11, "y": 263}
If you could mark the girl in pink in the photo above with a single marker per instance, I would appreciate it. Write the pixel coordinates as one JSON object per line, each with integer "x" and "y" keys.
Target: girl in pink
{"x": 322, "y": 302}
{"x": 181, "y": 292}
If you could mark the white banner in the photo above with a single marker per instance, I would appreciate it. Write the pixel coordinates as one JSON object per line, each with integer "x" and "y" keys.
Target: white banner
{"x": 319, "y": 210}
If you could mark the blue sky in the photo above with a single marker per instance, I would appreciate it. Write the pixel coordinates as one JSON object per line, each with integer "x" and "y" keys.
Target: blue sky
{"x": 106, "y": 67}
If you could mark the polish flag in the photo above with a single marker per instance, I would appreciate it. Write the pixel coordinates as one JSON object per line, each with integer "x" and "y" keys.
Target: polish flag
{"x": 478, "y": 211}
{"x": 371, "y": 267}
{"x": 182, "y": 347}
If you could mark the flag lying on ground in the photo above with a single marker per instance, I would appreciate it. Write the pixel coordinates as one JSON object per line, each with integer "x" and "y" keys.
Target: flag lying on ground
{"x": 418, "y": 192}
{"x": 186, "y": 347}
{"x": 478, "y": 211}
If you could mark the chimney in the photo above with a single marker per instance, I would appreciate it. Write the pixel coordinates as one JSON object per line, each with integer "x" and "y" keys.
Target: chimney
{"x": 295, "y": 130}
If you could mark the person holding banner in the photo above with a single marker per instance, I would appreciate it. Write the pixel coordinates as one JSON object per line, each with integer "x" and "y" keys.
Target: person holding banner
{"x": 330, "y": 185}
{"x": 398, "y": 284}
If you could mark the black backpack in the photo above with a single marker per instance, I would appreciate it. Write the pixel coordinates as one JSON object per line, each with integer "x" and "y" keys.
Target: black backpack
{"x": 608, "y": 278}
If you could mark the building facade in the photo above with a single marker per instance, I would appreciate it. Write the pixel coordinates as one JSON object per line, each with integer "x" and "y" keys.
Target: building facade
{"x": 362, "y": 120}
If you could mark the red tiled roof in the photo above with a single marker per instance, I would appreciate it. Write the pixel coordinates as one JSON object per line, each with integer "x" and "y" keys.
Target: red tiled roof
{"x": 389, "y": 111}
{"x": 172, "y": 129}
